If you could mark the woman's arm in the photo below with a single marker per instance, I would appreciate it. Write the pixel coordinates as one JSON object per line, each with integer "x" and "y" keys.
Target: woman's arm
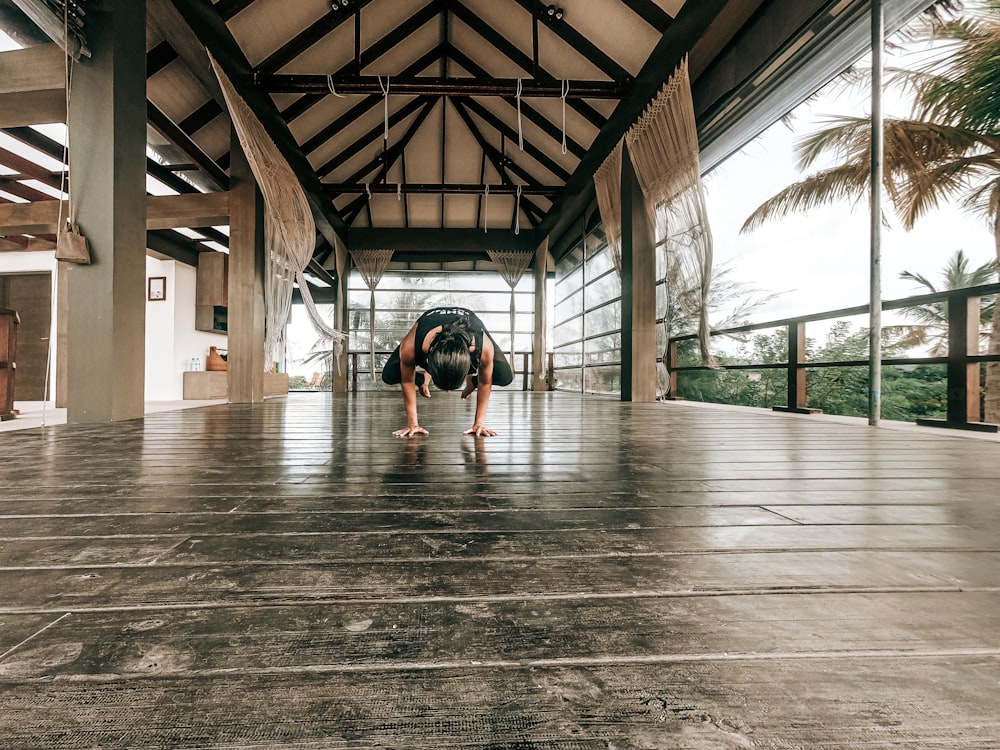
{"x": 408, "y": 384}
{"x": 483, "y": 390}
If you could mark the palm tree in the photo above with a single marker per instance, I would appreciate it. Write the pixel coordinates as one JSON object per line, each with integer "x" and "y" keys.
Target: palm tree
{"x": 949, "y": 149}
{"x": 931, "y": 327}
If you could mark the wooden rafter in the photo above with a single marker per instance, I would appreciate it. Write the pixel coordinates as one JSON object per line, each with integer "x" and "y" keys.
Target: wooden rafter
{"x": 586, "y": 48}
{"x": 523, "y": 61}
{"x": 351, "y": 115}
{"x": 159, "y": 57}
{"x": 173, "y": 133}
{"x": 527, "y": 111}
{"x": 373, "y": 53}
{"x": 452, "y": 188}
{"x": 651, "y": 13}
{"x": 395, "y": 152}
{"x": 511, "y": 134}
{"x": 690, "y": 25}
{"x": 499, "y": 160}
{"x": 372, "y": 136}
{"x": 313, "y": 34}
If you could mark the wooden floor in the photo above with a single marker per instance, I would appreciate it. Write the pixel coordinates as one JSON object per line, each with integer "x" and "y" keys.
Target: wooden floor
{"x": 598, "y": 576}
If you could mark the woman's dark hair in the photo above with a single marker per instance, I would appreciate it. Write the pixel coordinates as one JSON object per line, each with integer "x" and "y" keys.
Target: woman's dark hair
{"x": 448, "y": 359}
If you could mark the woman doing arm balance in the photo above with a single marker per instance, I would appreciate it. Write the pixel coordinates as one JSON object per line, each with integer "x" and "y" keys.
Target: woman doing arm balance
{"x": 456, "y": 350}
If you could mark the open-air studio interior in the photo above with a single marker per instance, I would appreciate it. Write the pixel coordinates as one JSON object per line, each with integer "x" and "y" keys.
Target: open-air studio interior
{"x": 548, "y": 545}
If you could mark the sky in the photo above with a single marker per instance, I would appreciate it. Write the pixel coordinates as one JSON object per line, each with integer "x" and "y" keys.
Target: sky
{"x": 820, "y": 260}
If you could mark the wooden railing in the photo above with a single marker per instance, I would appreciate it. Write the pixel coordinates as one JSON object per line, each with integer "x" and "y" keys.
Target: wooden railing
{"x": 963, "y": 360}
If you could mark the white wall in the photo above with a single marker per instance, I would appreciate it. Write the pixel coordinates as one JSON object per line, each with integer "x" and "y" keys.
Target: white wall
{"x": 171, "y": 340}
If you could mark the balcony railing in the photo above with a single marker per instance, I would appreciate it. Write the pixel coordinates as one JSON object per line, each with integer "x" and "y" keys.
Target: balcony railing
{"x": 963, "y": 359}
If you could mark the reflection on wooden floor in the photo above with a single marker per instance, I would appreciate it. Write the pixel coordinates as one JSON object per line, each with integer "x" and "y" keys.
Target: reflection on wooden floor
{"x": 599, "y": 575}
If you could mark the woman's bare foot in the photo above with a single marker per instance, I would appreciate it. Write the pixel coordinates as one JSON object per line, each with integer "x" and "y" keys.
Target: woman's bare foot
{"x": 470, "y": 386}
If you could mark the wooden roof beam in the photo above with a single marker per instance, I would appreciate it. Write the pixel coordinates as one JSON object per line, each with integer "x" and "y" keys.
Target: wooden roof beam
{"x": 32, "y": 87}
{"x": 162, "y": 212}
{"x": 173, "y": 133}
{"x": 586, "y": 48}
{"x": 530, "y": 113}
{"x": 335, "y": 127}
{"x": 374, "y": 134}
{"x": 529, "y": 148}
{"x": 439, "y": 86}
{"x": 390, "y": 158}
{"x": 451, "y": 188}
{"x": 398, "y": 35}
{"x": 523, "y": 61}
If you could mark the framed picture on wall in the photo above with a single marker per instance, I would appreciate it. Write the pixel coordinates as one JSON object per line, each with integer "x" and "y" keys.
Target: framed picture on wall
{"x": 157, "y": 289}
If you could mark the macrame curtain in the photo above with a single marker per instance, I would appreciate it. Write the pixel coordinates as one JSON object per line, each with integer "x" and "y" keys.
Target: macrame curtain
{"x": 608, "y": 186}
{"x": 663, "y": 146}
{"x": 289, "y": 230}
{"x": 371, "y": 264}
{"x": 511, "y": 264}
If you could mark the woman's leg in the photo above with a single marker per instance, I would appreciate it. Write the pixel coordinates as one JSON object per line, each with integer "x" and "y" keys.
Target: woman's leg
{"x": 391, "y": 373}
{"x": 502, "y": 372}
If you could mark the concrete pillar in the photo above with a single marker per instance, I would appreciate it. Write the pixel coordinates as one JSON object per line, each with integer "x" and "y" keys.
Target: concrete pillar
{"x": 638, "y": 292}
{"x": 106, "y": 301}
{"x": 340, "y": 317}
{"x": 246, "y": 282}
{"x": 539, "y": 344}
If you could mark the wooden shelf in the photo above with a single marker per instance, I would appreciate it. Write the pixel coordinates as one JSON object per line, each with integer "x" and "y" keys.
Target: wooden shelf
{"x": 212, "y": 386}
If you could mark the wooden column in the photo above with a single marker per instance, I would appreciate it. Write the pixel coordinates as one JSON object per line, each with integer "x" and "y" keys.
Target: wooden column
{"x": 246, "y": 282}
{"x": 106, "y": 301}
{"x": 638, "y": 292}
{"x": 340, "y": 317}
{"x": 539, "y": 345}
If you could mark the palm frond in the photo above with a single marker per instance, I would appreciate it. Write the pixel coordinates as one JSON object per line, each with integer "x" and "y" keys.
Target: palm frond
{"x": 846, "y": 181}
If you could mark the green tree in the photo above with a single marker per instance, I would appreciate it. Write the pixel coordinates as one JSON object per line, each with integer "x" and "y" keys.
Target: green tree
{"x": 949, "y": 149}
{"x": 931, "y": 327}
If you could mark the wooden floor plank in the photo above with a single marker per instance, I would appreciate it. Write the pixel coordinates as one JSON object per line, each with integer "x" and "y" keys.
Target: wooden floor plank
{"x": 635, "y": 576}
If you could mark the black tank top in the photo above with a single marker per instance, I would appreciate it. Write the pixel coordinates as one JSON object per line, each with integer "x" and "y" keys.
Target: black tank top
{"x": 440, "y": 316}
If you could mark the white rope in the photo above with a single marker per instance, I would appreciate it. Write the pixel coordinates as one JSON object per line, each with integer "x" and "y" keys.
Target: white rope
{"x": 520, "y": 134}
{"x": 329, "y": 85}
{"x": 517, "y": 211}
{"x": 371, "y": 264}
{"x": 399, "y": 191}
{"x": 385, "y": 94}
{"x": 565, "y": 92}
{"x": 368, "y": 191}
{"x": 486, "y": 208}
{"x": 511, "y": 264}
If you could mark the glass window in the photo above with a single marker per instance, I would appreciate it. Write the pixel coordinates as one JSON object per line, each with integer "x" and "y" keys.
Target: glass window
{"x": 604, "y": 349}
{"x": 603, "y": 379}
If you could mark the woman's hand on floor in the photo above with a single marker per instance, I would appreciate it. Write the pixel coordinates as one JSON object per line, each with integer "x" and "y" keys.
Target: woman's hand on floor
{"x": 410, "y": 431}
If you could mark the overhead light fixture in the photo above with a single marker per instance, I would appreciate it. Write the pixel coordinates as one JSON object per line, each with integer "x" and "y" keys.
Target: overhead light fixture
{"x": 554, "y": 13}
{"x": 339, "y": 4}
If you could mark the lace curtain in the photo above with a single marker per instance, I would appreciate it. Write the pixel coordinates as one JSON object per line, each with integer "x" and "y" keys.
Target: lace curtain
{"x": 663, "y": 146}
{"x": 289, "y": 230}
